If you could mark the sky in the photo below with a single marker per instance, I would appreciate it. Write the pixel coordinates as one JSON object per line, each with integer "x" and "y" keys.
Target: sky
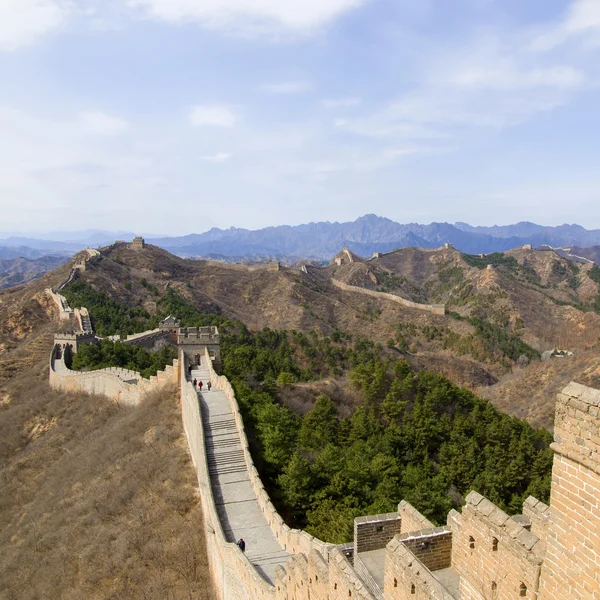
{"x": 175, "y": 116}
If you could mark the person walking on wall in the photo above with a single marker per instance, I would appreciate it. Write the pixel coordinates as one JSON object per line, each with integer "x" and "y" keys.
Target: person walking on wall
{"x": 200, "y": 384}
{"x": 209, "y": 384}
{"x": 241, "y": 544}
{"x": 190, "y": 370}
{"x": 195, "y": 382}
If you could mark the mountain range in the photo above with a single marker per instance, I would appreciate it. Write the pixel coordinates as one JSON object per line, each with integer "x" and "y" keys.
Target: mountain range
{"x": 320, "y": 241}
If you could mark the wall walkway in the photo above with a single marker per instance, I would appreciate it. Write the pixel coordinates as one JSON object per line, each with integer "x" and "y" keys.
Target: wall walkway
{"x": 235, "y": 499}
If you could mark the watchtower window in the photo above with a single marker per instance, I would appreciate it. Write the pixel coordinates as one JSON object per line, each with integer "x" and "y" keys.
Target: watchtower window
{"x": 495, "y": 544}
{"x": 494, "y": 585}
{"x": 471, "y": 542}
{"x": 522, "y": 590}
{"x": 379, "y": 528}
{"x": 395, "y": 582}
{"x": 413, "y": 590}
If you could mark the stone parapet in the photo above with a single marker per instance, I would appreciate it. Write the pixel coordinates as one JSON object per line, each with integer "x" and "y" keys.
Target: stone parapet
{"x": 433, "y": 547}
{"x": 407, "y": 577}
{"x": 538, "y": 514}
{"x": 412, "y": 519}
{"x": 576, "y": 425}
{"x": 374, "y": 532}
{"x": 492, "y": 553}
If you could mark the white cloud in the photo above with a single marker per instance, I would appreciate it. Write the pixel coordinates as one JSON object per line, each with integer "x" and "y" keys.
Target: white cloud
{"x": 249, "y": 15}
{"x": 213, "y": 116}
{"x": 493, "y": 82}
{"x": 287, "y": 87}
{"x": 341, "y": 102}
{"x": 22, "y": 22}
{"x": 99, "y": 123}
{"x": 581, "y": 20}
{"x": 219, "y": 157}
{"x": 507, "y": 76}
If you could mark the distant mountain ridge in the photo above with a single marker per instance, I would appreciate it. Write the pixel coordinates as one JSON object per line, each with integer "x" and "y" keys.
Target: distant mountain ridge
{"x": 322, "y": 240}
{"x": 369, "y": 234}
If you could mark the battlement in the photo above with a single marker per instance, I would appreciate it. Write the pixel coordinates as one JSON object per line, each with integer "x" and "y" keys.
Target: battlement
{"x": 74, "y": 339}
{"x": 576, "y": 425}
{"x": 191, "y": 335}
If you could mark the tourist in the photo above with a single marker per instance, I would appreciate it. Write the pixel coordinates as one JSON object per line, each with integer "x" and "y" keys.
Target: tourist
{"x": 200, "y": 384}
{"x": 241, "y": 544}
{"x": 190, "y": 370}
{"x": 209, "y": 385}
{"x": 195, "y": 382}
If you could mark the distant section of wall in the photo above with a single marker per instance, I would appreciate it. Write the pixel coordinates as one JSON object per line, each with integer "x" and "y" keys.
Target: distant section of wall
{"x": 436, "y": 309}
{"x": 64, "y": 310}
{"x": 122, "y": 385}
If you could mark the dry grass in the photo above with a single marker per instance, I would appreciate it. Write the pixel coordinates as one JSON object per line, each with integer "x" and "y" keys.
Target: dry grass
{"x": 530, "y": 393}
{"x": 97, "y": 500}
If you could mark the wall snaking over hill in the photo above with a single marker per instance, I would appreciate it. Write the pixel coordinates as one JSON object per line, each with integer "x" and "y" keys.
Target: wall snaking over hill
{"x": 436, "y": 309}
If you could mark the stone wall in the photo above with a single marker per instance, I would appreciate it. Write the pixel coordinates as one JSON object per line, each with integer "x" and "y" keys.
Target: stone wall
{"x": 436, "y": 309}
{"x": 64, "y": 310}
{"x": 407, "y": 578}
{"x": 411, "y": 519}
{"x": 374, "y": 532}
{"x": 572, "y": 565}
{"x": 495, "y": 556}
{"x": 151, "y": 340}
{"x": 538, "y": 515}
{"x": 121, "y": 385}
{"x": 433, "y": 547}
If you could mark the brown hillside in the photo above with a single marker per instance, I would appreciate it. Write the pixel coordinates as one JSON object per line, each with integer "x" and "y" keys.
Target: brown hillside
{"x": 96, "y": 501}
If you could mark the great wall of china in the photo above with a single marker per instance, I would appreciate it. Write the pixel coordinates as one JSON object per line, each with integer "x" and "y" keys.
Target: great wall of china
{"x": 547, "y": 553}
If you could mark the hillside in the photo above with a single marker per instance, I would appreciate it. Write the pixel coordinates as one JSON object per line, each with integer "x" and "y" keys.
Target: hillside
{"x": 97, "y": 501}
{"x": 525, "y": 303}
{"x": 18, "y": 271}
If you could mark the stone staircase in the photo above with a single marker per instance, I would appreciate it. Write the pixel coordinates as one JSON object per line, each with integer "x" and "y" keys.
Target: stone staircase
{"x": 86, "y": 323}
{"x": 235, "y": 500}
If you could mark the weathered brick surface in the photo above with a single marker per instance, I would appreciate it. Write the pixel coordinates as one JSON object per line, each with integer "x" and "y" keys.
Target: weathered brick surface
{"x": 538, "y": 514}
{"x": 493, "y": 554}
{"x": 407, "y": 578}
{"x": 433, "y": 547}
{"x": 412, "y": 519}
{"x": 572, "y": 565}
{"x": 375, "y": 531}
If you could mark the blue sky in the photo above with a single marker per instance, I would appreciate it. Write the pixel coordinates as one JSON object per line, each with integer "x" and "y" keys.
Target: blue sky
{"x": 173, "y": 116}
